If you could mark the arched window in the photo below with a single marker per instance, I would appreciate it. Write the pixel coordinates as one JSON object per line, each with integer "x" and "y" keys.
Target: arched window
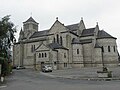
{"x": 45, "y": 55}
{"x": 42, "y": 55}
{"x": 61, "y": 40}
{"x": 39, "y": 55}
{"x": 57, "y": 38}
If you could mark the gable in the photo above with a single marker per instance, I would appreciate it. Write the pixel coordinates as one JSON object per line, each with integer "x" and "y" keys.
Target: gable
{"x": 57, "y": 27}
{"x": 42, "y": 47}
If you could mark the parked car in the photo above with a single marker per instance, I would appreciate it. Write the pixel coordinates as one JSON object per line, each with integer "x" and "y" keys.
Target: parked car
{"x": 20, "y": 67}
{"x": 46, "y": 68}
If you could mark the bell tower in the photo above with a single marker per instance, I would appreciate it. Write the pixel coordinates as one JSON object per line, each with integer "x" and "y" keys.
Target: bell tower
{"x": 30, "y": 26}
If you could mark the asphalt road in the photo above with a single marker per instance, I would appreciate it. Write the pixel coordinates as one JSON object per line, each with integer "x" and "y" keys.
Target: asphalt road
{"x": 32, "y": 80}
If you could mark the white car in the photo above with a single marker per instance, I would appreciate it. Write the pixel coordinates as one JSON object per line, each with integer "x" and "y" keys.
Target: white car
{"x": 20, "y": 67}
{"x": 46, "y": 68}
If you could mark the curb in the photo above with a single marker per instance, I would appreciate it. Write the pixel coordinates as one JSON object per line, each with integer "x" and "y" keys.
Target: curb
{"x": 89, "y": 79}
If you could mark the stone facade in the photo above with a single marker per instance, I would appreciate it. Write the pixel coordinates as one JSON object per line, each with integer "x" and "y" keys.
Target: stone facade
{"x": 71, "y": 46}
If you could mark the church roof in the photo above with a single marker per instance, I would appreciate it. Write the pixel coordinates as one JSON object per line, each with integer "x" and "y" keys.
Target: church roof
{"x": 88, "y": 32}
{"x": 40, "y": 34}
{"x": 86, "y": 41}
{"x": 103, "y": 34}
{"x": 30, "y": 20}
{"x": 77, "y": 41}
{"x": 73, "y": 27}
{"x": 56, "y": 46}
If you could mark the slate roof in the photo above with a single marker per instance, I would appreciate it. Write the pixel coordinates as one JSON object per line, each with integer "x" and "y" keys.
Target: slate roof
{"x": 73, "y": 27}
{"x": 56, "y": 46}
{"x": 88, "y": 32}
{"x": 30, "y": 20}
{"x": 40, "y": 34}
{"x": 76, "y": 41}
{"x": 103, "y": 34}
{"x": 86, "y": 41}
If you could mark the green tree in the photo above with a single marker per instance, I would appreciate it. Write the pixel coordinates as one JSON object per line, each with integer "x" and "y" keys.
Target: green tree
{"x": 7, "y": 30}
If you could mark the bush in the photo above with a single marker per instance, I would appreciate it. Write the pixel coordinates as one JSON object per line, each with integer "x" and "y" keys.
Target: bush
{"x": 6, "y": 68}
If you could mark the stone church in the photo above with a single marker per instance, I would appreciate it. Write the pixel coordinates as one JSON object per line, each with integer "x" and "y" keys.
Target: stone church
{"x": 64, "y": 46}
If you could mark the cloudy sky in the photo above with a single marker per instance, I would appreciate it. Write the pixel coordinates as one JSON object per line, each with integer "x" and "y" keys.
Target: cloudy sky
{"x": 105, "y": 12}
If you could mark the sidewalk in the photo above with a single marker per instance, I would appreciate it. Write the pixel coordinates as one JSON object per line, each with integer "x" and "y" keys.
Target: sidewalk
{"x": 85, "y": 73}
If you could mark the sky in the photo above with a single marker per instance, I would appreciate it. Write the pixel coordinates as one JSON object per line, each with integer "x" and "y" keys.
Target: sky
{"x": 105, "y": 12}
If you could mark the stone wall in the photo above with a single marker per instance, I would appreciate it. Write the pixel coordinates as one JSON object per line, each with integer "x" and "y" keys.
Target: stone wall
{"x": 87, "y": 54}
{"x": 77, "y": 56}
{"x": 63, "y": 58}
{"x": 97, "y": 61}
{"x": 110, "y": 57}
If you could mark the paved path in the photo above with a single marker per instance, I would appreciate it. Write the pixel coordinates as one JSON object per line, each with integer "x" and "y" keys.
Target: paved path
{"x": 34, "y": 80}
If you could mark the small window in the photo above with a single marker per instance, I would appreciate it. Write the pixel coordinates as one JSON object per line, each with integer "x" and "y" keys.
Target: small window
{"x": 114, "y": 48}
{"x": 45, "y": 55}
{"x": 65, "y": 64}
{"x": 64, "y": 55}
{"x": 39, "y": 55}
{"x": 34, "y": 47}
{"x": 31, "y": 48}
{"x": 61, "y": 40}
{"x": 54, "y": 39}
{"x": 77, "y": 51}
{"x": 42, "y": 55}
{"x": 102, "y": 49}
{"x": 57, "y": 38}
{"x": 55, "y": 63}
{"x": 108, "y": 48}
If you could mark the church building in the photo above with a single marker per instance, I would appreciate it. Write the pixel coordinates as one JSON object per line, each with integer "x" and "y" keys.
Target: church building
{"x": 64, "y": 46}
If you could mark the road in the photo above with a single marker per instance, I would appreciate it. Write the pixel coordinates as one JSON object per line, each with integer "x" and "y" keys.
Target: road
{"x": 32, "y": 80}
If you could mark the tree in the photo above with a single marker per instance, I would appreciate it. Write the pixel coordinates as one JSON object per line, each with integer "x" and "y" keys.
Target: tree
{"x": 7, "y": 30}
